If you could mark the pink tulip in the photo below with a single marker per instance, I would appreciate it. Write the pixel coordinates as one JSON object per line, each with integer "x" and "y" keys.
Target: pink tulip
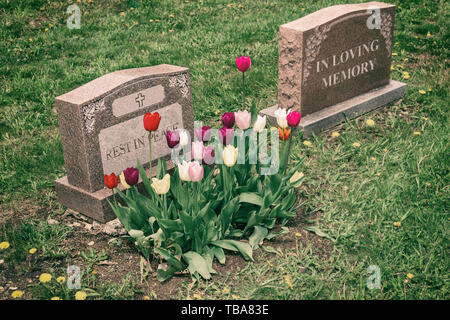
{"x": 293, "y": 118}
{"x": 243, "y": 119}
{"x": 226, "y": 135}
{"x": 197, "y": 150}
{"x": 195, "y": 171}
{"x": 203, "y": 133}
{"x": 243, "y": 63}
{"x": 208, "y": 155}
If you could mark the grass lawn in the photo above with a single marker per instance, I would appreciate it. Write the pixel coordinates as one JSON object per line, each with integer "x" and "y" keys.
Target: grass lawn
{"x": 383, "y": 201}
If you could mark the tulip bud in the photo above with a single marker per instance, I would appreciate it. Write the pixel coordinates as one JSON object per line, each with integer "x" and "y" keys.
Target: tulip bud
{"x": 228, "y": 119}
{"x": 195, "y": 171}
{"x": 243, "y": 63}
{"x": 197, "y": 150}
{"x": 111, "y": 180}
{"x": 151, "y": 121}
{"x": 260, "y": 124}
{"x": 243, "y": 119}
{"x": 131, "y": 175}
{"x": 161, "y": 186}
{"x": 173, "y": 138}
{"x": 293, "y": 118}
{"x": 230, "y": 154}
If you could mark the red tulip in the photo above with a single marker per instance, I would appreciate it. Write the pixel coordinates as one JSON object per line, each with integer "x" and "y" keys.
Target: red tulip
{"x": 293, "y": 118}
{"x": 243, "y": 63}
{"x": 284, "y": 133}
{"x": 151, "y": 121}
{"x": 111, "y": 181}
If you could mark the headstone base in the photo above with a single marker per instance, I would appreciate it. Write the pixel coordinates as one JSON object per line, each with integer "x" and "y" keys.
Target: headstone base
{"x": 93, "y": 204}
{"x": 349, "y": 109}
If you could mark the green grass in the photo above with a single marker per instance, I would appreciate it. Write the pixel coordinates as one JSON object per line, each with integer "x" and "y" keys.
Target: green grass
{"x": 42, "y": 58}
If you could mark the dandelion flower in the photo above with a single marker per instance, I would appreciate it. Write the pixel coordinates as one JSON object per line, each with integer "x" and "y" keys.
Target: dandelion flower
{"x": 422, "y": 91}
{"x": 394, "y": 53}
{"x": 235, "y": 297}
{"x": 55, "y": 298}
{"x": 373, "y": 158}
{"x": 410, "y": 276}
{"x": 287, "y": 279}
{"x": 397, "y": 224}
{"x": 32, "y": 250}
{"x": 45, "y": 277}
{"x": 308, "y": 143}
{"x": 428, "y": 34}
{"x": 80, "y": 295}
{"x": 197, "y": 296}
{"x": 335, "y": 134}
{"x": 298, "y": 234}
{"x": 17, "y": 294}
{"x": 416, "y": 133}
{"x": 378, "y": 174}
{"x": 4, "y": 245}
{"x": 370, "y": 123}
{"x": 356, "y": 144}
{"x": 61, "y": 279}
{"x": 226, "y": 291}
{"x": 146, "y": 298}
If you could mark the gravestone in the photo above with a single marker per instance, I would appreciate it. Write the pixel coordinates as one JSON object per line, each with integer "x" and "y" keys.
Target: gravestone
{"x": 335, "y": 63}
{"x": 101, "y": 128}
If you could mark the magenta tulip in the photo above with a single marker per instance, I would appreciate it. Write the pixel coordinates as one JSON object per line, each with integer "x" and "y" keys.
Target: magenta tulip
{"x": 208, "y": 155}
{"x": 203, "y": 133}
{"x": 243, "y": 63}
{"x": 195, "y": 171}
{"x": 131, "y": 175}
{"x": 228, "y": 119}
{"x": 293, "y": 118}
{"x": 173, "y": 138}
{"x": 226, "y": 135}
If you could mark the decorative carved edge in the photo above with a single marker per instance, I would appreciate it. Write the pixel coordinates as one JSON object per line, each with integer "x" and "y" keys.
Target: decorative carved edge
{"x": 89, "y": 112}
{"x": 180, "y": 81}
{"x": 312, "y": 48}
{"x": 386, "y": 31}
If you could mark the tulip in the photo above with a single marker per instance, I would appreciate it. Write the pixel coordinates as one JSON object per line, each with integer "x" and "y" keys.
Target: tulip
{"x": 230, "y": 154}
{"x": 197, "y": 150}
{"x": 208, "y": 155}
{"x": 183, "y": 171}
{"x": 195, "y": 171}
{"x": 226, "y": 135}
{"x": 293, "y": 118}
{"x": 228, "y": 119}
{"x": 184, "y": 139}
{"x": 123, "y": 182}
{"x": 111, "y": 180}
{"x": 131, "y": 175}
{"x": 280, "y": 114}
{"x": 173, "y": 138}
{"x": 203, "y": 133}
{"x": 151, "y": 121}
{"x": 284, "y": 133}
{"x": 243, "y": 119}
{"x": 161, "y": 186}
{"x": 260, "y": 124}
{"x": 243, "y": 63}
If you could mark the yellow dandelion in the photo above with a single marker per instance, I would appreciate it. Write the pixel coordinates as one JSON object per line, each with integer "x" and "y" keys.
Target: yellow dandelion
{"x": 146, "y": 297}
{"x": 226, "y": 291}
{"x": 80, "y": 295}
{"x": 356, "y": 144}
{"x": 397, "y": 224}
{"x": 385, "y": 150}
{"x": 122, "y": 14}
{"x": 410, "y": 276}
{"x": 45, "y": 277}
{"x": 55, "y": 298}
{"x": 394, "y": 53}
{"x": 46, "y": 29}
{"x": 298, "y": 234}
{"x": 335, "y": 134}
{"x": 406, "y": 59}
{"x": 378, "y": 174}
{"x": 429, "y": 89}
{"x": 151, "y": 20}
{"x": 61, "y": 279}
{"x": 422, "y": 91}
{"x": 95, "y": 271}
{"x": 428, "y": 35}
{"x": 370, "y": 123}
{"x": 308, "y": 143}
{"x": 16, "y": 294}
{"x": 32, "y": 250}
{"x": 170, "y": 16}
{"x": 399, "y": 66}
{"x": 31, "y": 39}
{"x": 4, "y": 245}
{"x": 373, "y": 158}
{"x": 216, "y": 112}
{"x": 416, "y": 133}
{"x": 235, "y": 297}
{"x": 392, "y": 68}
{"x": 197, "y": 296}
{"x": 188, "y": 298}
{"x": 287, "y": 279}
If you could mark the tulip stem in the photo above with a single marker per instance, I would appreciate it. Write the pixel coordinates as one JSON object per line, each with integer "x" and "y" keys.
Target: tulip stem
{"x": 150, "y": 151}
{"x": 243, "y": 90}
{"x": 165, "y": 206}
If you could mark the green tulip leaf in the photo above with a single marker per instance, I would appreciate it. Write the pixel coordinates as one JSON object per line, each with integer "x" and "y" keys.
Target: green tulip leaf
{"x": 196, "y": 263}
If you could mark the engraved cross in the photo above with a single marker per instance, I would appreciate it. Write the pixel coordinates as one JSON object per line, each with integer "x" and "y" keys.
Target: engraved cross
{"x": 140, "y": 100}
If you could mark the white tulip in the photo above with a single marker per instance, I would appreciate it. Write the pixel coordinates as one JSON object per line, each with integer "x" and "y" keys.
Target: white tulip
{"x": 230, "y": 154}
{"x": 281, "y": 115}
{"x": 183, "y": 171}
{"x": 184, "y": 139}
{"x": 260, "y": 124}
